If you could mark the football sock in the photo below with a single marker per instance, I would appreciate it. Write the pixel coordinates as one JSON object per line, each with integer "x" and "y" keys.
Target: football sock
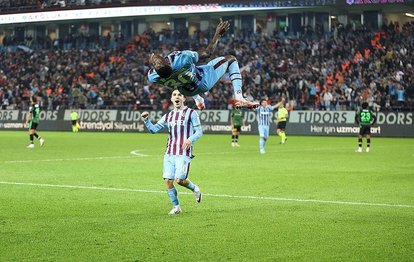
{"x": 73, "y": 128}
{"x": 236, "y": 80}
{"x": 283, "y": 136}
{"x": 232, "y": 138}
{"x": 190, "y": 185}
{"x": 172, "y": 194}
{"x": 368, "y": 142}
{"x": 31, "y": 139}
{"x": 236, "y": 138}
{"x": 37, "y": 136}
{"x": 262, "y": 143}
{"x": 359, "y": 142}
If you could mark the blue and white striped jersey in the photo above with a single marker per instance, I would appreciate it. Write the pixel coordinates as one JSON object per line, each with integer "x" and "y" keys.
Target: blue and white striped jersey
{"x": 264, "y": 115}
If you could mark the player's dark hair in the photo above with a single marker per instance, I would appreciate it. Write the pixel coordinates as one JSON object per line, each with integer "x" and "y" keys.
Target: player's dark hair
{"x": 165, "y": 71}
{"x": 364, "y": 105}
{"x": 34, "y": 99}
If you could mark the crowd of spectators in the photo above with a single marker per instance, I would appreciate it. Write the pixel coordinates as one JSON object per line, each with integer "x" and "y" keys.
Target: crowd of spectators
{"x": 29, "y": 5}
{"x": 312, "y": 71}
{"x": 34, "y": 5}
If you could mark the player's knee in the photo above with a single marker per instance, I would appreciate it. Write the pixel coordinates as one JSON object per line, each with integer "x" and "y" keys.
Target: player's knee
{"x": 231, "y": 58}
{"x": 179, "y": 181}
{"x": 169, "y": 181}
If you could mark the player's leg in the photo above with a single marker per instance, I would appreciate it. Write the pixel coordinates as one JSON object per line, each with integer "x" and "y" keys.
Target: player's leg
{"x": 236, "y": 136}
{"x": 168, "y": 175}
{"x": 213, "y": 72}
{"x": 31, "y": 136}
{"x": 233, "y": 136}
{"x": 41, "y": 140}
{"x": 263, "y": 138}
{"x": 182, "y": 168}
{"x": 235, "y": 77}
{"x": 279, "y": 134}
{"x": 237, "y": 82}
{"x": 368, "y": 136}
{"x": 281, "y": 131}
{"x": 74, "y": 126}
{"x": 220, "y": 66}
{"x": 359, "y": 150}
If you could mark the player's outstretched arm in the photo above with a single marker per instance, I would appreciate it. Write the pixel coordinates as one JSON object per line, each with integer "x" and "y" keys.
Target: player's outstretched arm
{"x": 279, "y": 104}
{"x": 222, "y": 27}
{"x": 151, "y": 127}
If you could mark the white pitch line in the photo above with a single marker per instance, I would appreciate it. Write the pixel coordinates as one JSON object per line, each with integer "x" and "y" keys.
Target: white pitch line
{"x": 69, "y": 159}
{"x": 137, "y": 153}
{"x": 212, "y": 195}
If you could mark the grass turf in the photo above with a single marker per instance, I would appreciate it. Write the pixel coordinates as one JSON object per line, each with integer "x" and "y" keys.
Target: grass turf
{"x": 86, "y": 197}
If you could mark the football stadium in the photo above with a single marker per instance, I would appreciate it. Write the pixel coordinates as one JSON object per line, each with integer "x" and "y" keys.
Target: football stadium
{"x": 232, "y": 130}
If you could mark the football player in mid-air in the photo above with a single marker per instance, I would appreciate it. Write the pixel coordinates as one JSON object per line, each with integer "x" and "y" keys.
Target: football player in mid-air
{"x": 32, "y": 121}
{"x": 178, "y": 70}
{"x": 365, "y": 118}
{"x": 184, "y": 129}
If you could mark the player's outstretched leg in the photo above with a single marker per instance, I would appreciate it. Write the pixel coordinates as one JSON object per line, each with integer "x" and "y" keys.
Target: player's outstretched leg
{"x": 236, "y": 81}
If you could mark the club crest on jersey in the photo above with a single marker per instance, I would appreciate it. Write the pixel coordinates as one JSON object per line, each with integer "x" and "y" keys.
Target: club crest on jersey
{"x": 177, "y": 122}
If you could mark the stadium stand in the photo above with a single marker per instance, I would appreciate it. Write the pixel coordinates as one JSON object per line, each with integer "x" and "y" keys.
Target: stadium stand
{"x": 13, "y": 6}
{"x": 315, "y": 71}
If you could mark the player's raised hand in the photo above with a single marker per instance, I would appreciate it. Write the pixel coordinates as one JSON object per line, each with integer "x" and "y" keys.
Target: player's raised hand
{"x": 152, "y": 59}
{"x": 222, "y": 27}
{"x": 156, "y": 60}
{"x": 145, "y": 115}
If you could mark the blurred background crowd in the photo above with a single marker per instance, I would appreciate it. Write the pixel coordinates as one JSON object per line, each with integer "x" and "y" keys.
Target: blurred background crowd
{"x": 13, "y": 5}
{"x": 315, "y": 71}
{"x": 21, "y": 5}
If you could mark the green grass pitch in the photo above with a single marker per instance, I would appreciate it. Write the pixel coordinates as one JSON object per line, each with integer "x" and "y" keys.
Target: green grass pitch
{"x": 86, "y": 197}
